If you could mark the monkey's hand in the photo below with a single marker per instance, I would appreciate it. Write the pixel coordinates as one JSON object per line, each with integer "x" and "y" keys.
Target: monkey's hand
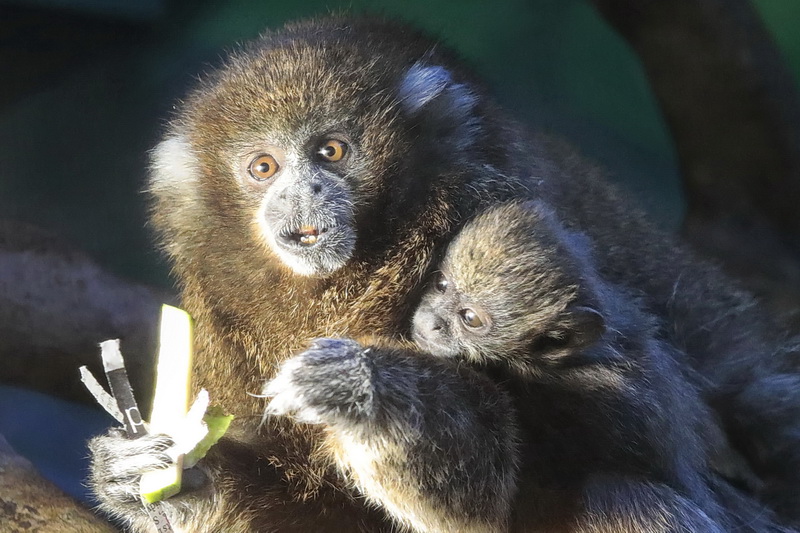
{"x": 331, "y": 381}
{"x": 401, "y": 422}
{"x": 117, "y": 465}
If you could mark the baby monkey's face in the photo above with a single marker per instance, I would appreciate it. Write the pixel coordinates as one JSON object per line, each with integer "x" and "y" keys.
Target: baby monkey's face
{"x": 490, "y": 295}
{"x": 510, "y": 289}
{"x": 449, "y": 322}
{"x": 498, "y": 321}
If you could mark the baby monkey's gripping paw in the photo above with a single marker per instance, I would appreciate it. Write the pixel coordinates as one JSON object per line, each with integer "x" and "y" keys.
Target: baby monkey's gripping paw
{"x": 330, "y": 382}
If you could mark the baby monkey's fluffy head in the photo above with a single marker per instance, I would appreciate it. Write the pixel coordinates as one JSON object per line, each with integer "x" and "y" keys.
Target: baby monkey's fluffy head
{"x": 514, "y": 284}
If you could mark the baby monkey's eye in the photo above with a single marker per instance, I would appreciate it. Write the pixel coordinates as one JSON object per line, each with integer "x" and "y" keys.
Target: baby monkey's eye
{"x": 263, "y": 167}
{"x": 442, "y": 283}
{"x": 332, "y": 150}
{"x": 470, "y": 318}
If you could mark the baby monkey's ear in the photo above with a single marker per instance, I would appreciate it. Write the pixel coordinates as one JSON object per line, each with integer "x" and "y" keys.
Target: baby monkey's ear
{"x": 577, "y": 329}
{"x": 429, "y": 94}
{"x": 589, "y": 325}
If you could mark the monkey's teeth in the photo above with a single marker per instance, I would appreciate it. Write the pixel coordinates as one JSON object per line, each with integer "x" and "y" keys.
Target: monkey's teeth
{"x": 305, "y": 235}
{"x": 308, "y": 230}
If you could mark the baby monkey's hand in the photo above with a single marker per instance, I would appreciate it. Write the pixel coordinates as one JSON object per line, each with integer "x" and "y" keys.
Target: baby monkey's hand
{"x": 331, "y": 382}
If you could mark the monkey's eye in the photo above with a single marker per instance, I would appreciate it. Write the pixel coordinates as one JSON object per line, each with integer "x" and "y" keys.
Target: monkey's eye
{"x": 332, "y": 150}
{"x": 442, "y": 283}
{"x": 263, "y": 167}
{"x": 470, "y": 318}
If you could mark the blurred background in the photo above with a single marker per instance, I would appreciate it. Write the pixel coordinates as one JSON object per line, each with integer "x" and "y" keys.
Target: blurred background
{"x": 689, "y": 104}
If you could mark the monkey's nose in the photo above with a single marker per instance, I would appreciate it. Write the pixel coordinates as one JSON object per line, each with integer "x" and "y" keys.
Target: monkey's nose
{"x": 301, "y": 194}
{"x": 427, "y": 324}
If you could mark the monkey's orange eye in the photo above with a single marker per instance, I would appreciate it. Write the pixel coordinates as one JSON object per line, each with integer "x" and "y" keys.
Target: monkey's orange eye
{"x": 470, "y": 318}
{"x": 332, "y": 150}
{"x": 263, "y": 167}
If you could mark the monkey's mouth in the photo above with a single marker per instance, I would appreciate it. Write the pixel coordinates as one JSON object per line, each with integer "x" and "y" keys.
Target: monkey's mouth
{"x": 430, "y": 345}
{"x": 311, "y": 242}
{"x": 305, "y": 236}
{"x": 315, "y": 243}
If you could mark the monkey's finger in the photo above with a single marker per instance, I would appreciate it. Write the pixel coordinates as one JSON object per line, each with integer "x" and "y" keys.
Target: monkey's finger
{"x": 286, "y": 397}
{"x": 129, "y": 458}
{"x": 283, "y": 380}
{"x": 288, "y": 405}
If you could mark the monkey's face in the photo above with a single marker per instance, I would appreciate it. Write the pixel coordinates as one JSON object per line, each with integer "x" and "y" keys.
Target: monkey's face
{"x": 279, "y": 159}
{"x": 508, "y": 290}
{"x": 305, "y": 212}
{"x": 482, "y": 323}
{"x": 312, "y": 145}
{"x": 293, "y": 199}
{"x": 449, "y": 322}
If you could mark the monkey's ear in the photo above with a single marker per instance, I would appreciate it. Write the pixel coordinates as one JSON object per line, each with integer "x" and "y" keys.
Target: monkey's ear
{"x": 430, "y": 92}
{"x": 172, "y": 165}
{"x": 589, "y": 325}
{"x": 580, "y": 328}
{"x": 173, "y": 184}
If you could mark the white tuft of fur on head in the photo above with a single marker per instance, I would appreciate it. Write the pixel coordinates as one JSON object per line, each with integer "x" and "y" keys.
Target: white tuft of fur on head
{"x": 422, "y": 84}
{"x": 173, "y": 165}
{"x": 431, "y": 88}
{"x": 174, "y": 183}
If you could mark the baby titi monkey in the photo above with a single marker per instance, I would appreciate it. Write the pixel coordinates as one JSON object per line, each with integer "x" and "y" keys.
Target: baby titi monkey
{"x": 570, "y": 414}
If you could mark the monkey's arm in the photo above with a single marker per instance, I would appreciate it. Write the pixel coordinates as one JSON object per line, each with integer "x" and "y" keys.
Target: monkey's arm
{"x": 433, "y": 443}
{"x": 243, "y": 484}
{"x": 612, "y": 504}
